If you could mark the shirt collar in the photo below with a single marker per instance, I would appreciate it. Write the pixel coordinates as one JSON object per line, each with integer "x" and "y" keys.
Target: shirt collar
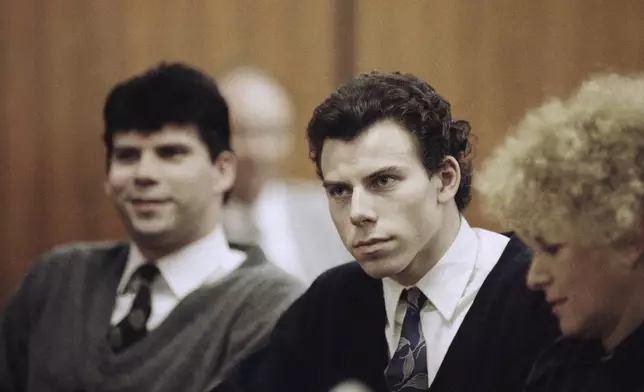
{"x": 446, "y": 282}
{"x": 187, "y": 268}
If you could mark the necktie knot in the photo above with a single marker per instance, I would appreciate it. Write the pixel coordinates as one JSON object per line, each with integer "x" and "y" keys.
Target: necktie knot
{"x": 132, "y": 328}
{"x": 415, "y": 298}
{"x": 143, "y": 277}
{"x": 147, "y": 273}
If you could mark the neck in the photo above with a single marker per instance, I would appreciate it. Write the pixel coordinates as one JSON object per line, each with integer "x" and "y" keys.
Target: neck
{"x": 154, "y": 247}
{"x": 632, "y": 317}
{"x": 433, "y": 251}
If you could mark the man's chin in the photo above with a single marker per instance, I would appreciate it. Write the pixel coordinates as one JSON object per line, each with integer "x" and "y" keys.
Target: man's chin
{"x": 153, "y": 233}
{"x": 379, "y": 269}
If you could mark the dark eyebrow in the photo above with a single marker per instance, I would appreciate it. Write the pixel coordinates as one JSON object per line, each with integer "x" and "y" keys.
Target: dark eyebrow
{"x": 327, "y": 184}
{"x": 384, "y": 171}
{"x": 122, "y": 146}
{"x": 125, "y": 149}
{"x": 178, "y": 145}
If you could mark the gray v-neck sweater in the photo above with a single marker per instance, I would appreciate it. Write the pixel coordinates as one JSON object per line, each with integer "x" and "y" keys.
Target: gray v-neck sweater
{"x": 53, "y": 332}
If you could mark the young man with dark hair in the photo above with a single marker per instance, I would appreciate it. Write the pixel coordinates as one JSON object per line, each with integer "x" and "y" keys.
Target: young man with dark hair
{"x": 178, "y": 305}
{"x": 432, "y": 303}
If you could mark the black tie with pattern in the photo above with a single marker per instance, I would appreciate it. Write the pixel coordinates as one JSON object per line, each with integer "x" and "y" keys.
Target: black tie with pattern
{"x": 407, "y": 369}
{"x": 133, "y": 327}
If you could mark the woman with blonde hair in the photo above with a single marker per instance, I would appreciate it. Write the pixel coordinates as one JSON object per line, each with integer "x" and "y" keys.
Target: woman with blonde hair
{"x": 570, "y": 182}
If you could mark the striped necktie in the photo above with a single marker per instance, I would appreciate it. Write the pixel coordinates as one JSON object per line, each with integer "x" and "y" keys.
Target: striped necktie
{"x": 132, "y": 327}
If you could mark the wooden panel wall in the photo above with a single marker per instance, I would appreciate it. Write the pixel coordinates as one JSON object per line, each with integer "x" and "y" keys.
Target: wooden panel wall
{"x": 59, "y": 58}
{"x": 493, "y": 60}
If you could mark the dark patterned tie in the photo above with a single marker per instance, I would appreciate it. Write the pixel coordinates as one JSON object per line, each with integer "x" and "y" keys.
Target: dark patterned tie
{"x": 133, "y": 327}
{"x": 407, "y": 369}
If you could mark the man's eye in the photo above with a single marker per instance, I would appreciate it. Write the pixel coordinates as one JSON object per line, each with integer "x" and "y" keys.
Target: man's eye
{"x": 126, "y": 154}
{"x": 384, "y": 181}
{"x": 172, "y": 152}
{"x": 337, "y": 191}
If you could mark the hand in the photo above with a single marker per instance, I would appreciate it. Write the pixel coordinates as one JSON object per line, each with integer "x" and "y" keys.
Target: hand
{"x": 350, "y": 386}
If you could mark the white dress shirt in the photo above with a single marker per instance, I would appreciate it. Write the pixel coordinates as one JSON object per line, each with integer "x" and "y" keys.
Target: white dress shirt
{"x": 205, "y": 261}
{"x": 450, "y": 287}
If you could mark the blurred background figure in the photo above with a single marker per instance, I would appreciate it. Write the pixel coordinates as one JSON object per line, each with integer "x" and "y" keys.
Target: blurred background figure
{"x": 290, "y": 221}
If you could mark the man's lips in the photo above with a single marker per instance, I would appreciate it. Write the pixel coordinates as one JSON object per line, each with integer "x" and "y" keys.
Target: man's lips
{"x": 370, "y": 241}
{"x": 148, "y": 200}
{"x": 148, "y": 205}
{"x": 371, "y": 245}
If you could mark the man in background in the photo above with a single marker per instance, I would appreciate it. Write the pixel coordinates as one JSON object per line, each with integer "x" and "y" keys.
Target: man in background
{"x": 289, "y": 221}
{"x": 176, "y": 306}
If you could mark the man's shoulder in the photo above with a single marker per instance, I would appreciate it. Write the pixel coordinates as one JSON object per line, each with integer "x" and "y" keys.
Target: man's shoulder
{"x": 64, "y": 262}
{"x": 344, "y": 278}
{"x": 503, "y": 254}
{"x": 339, "y": 295}
{"x": 349, "y": 270}
{"x": 61, "y": 260}
{"x": 86, "y": 249}
{"x": 515, "y": 261}
{"x": 509, "y": 273}
{"x": 258, "y": 285}
{"x": 512, "y": 245}
{"x": 516, "y": 248}
{"x": 77, "y": 252}
{"x": 515, "y": 258}
{"x": 258, "y": 267}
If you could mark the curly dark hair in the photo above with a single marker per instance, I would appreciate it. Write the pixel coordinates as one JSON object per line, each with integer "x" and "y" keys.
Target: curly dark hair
{"x": 409, "y": 101}
{"x": 169, "y": 94}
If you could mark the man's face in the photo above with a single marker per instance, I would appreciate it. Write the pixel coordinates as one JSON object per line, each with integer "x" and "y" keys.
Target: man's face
{"x": 261, "y": 123}
{"x": 260, "y": 143}
{"x": 587, "y": 286}
{"x": 165, "y": 186}
{"x": 382, "y": 201}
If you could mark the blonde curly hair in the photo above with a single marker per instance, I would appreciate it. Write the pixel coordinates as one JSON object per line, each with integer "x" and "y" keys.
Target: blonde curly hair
{"x": 574, "y": 168}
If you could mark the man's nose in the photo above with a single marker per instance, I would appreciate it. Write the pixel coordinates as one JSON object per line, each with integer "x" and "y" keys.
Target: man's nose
{"x": 147, "y": 169}
{"x": 362, "y": 208}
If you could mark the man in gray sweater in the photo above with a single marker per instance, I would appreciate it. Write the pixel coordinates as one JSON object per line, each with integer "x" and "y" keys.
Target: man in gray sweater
{"x": 175, "y": 307}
